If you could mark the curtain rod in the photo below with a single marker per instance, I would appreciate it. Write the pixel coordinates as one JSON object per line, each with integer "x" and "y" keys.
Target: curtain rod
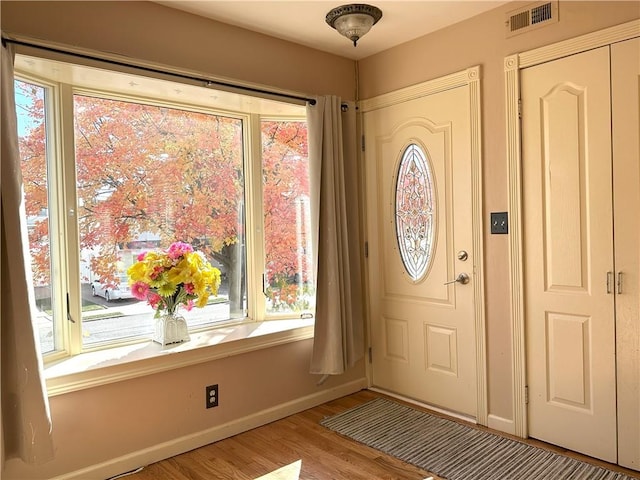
{"x": 207, "y": 82}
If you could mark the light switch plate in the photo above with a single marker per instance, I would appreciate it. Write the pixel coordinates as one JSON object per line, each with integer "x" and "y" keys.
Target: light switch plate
{"x": 499, "y": 222}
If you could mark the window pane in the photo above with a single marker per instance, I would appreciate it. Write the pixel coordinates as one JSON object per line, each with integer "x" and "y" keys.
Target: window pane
{"x": 148, "y": 176}
{"x": 30, "y": 108}
{"x": 287, "y": 221}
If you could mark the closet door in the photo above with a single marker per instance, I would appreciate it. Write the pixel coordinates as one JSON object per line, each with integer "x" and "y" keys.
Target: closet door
{"x": 625, "y": 74}
{"x": 568, "y": 253}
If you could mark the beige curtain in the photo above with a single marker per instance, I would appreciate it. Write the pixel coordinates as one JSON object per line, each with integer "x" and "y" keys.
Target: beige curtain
{"x": 26, "y": 423}
{"x": 339, "y": 325}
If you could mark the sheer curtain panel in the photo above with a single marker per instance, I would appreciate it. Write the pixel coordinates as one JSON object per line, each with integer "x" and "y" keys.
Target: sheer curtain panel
{"x": 26, "y": 422}
{"x": 339, "y": 326}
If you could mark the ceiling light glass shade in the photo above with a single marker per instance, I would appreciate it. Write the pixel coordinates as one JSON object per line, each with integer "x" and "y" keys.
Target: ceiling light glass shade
{"x": 353, "y": 21}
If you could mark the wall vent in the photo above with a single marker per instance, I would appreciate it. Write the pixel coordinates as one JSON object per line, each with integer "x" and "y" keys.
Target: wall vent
{"x": 531, "y": 17}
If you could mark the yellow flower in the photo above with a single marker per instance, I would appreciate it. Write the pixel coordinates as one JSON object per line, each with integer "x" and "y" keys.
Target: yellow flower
{"x": 213, "y": 279}
{"x": 137, "y": 272}
{"x": 159, "y": 280}
{"x": 152, "y": 257}
{"x": 202, "y": 301}
{"x": 177, "y": 274}
{"x": 167, "y": 289}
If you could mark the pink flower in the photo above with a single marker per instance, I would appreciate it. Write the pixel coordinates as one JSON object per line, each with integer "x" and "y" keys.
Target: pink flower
{"x": 154, "y": 299}
{"x": 188, "y": 287}
{"x": 141, "y": 256}
{"x": 178, "y": 249}
{"x": 189, "y": 305}
{"x": 157, "y": 270}
{"x": 140, "y": 290}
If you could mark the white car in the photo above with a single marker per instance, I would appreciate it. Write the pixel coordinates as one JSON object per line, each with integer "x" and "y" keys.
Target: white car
{"x": 112, "y": 291}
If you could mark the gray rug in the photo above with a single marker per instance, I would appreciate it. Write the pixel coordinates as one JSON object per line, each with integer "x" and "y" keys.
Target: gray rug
{"x": 455, "y": 451}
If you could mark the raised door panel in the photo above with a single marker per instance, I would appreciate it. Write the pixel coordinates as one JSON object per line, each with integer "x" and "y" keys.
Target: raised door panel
{"x": 568, "y": 359}
{"x": 433, "y": 141}
{"x": 564, "y": 186}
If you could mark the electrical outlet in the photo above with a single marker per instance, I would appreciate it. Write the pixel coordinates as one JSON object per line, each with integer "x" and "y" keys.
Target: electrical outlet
{"x": 212, "y": 395}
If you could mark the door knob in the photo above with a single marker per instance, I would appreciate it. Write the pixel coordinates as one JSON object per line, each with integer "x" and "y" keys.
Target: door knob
{"x": 463, "y": 278}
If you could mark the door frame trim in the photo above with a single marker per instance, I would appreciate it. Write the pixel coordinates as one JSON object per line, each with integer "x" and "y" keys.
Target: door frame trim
{"x": 512, "y": 66}
{"x": 470, "y": 78}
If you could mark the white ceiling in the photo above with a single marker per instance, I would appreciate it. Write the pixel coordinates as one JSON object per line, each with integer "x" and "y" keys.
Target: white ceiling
{"x": 303, "y": 22}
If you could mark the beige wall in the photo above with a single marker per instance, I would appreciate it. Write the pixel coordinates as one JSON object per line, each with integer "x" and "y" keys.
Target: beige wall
{"x": 152, "y": 32}
{"x": 99, "y": 424}
{"x": 481, "y": 41}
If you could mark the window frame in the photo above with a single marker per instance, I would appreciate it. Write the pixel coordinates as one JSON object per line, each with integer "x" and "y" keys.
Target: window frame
{"x": 65, "y": 251}
{"x": 279, "y": 315}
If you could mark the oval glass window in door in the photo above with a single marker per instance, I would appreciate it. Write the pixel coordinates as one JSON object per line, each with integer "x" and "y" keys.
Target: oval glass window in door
{"x": 415, "y": 208}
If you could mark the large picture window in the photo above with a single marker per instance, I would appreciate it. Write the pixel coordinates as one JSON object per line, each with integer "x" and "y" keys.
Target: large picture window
{"x": 111, "y": 172}
{"x": 147, "y": 176}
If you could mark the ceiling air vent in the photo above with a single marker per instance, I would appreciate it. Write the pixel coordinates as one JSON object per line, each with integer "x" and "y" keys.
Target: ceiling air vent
{"x": 532, "y": 16}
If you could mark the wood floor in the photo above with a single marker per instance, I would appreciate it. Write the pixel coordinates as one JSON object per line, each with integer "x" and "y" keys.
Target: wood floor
{"x": 298, "y": 448}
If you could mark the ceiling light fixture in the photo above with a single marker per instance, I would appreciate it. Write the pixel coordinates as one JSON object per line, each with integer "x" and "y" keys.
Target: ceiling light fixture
{"x": 354, "y": 20}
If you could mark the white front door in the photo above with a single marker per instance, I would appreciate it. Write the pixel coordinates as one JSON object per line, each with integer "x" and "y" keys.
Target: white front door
{"x": 419, "y": 204}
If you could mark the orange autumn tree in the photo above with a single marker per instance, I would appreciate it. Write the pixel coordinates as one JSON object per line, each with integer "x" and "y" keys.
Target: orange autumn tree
{"x": 173, "y": 175}
{"x": 33, "y": 164}
{"x": 286, "y": 214}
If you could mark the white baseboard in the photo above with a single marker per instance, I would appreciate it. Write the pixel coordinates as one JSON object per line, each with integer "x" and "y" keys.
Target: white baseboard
{"x": 501, "y": 424}
{"x": 180, "y": 445}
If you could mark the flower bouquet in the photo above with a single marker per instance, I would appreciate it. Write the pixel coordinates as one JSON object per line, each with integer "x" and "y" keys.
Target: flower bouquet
{"x": 168, "y": 279}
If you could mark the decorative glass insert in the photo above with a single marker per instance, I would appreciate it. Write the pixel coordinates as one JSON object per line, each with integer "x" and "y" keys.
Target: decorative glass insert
{"x": 415, "y": 209}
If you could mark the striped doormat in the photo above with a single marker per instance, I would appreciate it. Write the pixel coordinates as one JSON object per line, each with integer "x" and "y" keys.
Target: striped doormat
{"x": 455, "y": 451}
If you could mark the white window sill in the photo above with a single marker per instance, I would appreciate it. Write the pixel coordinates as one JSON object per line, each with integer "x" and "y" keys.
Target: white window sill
{"x": 122, "y": 363}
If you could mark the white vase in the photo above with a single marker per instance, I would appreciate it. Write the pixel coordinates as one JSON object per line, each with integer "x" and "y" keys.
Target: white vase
{"x": 171, "y": 328}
